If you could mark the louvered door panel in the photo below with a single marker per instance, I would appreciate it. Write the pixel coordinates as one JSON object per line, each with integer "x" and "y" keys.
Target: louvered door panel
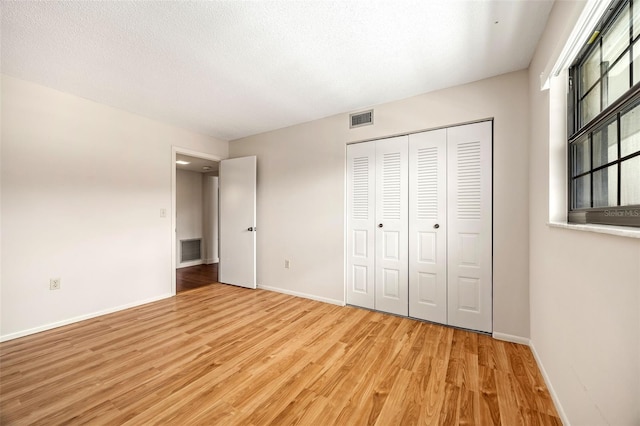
{"x": 428, "y": 226}
{"x": 469, "y": 160}
{"x": 391, "y": 226}
{"x": 360, "y": 224}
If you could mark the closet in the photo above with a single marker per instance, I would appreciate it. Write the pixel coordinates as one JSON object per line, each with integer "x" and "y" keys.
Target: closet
{"x": 419, "y": 225}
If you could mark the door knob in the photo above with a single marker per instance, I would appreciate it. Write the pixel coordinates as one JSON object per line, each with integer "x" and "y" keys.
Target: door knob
{"x": 250, "y": 229}
{"x": 436, "y": 226}
{"x": 380, "y": 225}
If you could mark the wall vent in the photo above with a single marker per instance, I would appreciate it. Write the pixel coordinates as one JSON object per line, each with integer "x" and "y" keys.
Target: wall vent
{"x": 190, "y": 250}
{"x": 359, "y": 119}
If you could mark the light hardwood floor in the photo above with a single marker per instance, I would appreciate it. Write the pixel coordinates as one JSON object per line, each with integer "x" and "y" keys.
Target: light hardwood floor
{"x": 231, "y": 356}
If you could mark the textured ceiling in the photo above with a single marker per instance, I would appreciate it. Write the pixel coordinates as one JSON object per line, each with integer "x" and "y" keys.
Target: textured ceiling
{"x": 235, "y": 68}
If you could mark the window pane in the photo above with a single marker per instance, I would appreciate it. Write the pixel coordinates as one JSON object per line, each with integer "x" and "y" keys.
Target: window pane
{"x": 618, "y": 80}
{"x": 605, "y": 145}
{"x": 616, "y": 38}
{"x": 590, "y": 105}
{"x": 636, "y": 19}
{"x": 636, "y": 59}
{"x": 590, "y": 71}
{"x": 630, "y": 182}
{"x": 580, "y": 156}
{"x": 630, "y": 131}
{"x": 581, "y": 192}
{"x": 605, "y": 187}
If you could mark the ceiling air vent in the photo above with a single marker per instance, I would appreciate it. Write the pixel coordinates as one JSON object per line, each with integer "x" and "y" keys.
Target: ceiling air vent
{"x": 361, "y": 119}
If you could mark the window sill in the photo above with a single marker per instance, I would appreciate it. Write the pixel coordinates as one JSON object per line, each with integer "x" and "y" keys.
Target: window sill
{"x": 621, "y": 231}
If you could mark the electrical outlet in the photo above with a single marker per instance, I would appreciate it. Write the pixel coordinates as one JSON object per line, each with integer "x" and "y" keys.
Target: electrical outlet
{"x": 163, "y": 212}
{"x": 54, "y": 284}
{"x": 287, "y": 264}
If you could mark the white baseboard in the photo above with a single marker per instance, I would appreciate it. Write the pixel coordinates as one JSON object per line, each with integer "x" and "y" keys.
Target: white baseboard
{"x": 57, "y": 324}
{"x": 191, "y": 263}
{"x": 305, "y": 295}
{"x": 511, "y": 338}
{"x": 552, "y": 392}
{"x": 212, "y": 260}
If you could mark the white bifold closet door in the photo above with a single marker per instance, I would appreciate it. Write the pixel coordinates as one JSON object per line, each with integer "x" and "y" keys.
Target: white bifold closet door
{"x": 392, "y": 286}
{"x": 377, "y": 229}
{"x": 419, "y": 225}
{"x": 428, "y": 226}
{"x": 361, "y": 163}
{"x": 450, "y": 226}
{"x": 469, "y": 216}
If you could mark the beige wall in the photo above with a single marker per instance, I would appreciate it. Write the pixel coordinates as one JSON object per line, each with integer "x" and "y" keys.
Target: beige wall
{"x": 301, "y": 172}
{"x": 82, "y": 185}
{"x": 189, "y": 209}
{"x": 82, "y": 189}
{"x": 585, "y": 287}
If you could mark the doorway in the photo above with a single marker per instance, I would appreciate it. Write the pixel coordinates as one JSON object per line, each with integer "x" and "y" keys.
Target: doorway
{"x": 194, "y": 220}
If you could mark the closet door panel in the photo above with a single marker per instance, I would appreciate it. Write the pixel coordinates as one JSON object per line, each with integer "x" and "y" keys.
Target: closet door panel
{"x": 428, "y": 226}
{"x": 360, "y": 225}
{"x": 391, "y": 226}
{"x": 470, "y": 266}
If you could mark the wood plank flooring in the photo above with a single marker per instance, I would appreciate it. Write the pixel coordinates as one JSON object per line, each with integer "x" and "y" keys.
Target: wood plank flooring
{"x": 232, "y": 356}
{"x": 196, "y": 276}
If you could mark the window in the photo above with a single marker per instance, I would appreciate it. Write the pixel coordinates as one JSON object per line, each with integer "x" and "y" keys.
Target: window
{"x": 604, "y": 122}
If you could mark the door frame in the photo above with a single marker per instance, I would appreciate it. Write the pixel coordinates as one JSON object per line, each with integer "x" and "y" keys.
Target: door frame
{"x": 192, "y": 153}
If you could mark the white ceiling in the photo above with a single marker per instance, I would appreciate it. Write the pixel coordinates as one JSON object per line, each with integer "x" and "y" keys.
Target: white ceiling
{"x": 235, "y": 68}
{"x": 200, "y": 165}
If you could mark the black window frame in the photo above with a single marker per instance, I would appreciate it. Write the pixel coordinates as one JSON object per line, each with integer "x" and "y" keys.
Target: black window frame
{"x": 628, "y": 215}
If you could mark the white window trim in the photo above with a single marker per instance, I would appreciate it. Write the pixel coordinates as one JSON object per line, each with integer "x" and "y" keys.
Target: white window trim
{"x": 621, "y": 231}
{"x": 591, "y": 14}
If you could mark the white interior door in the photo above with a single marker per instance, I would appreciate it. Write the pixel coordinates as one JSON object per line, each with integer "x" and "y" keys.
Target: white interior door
{"x": 237, "y": 231}
{"x": 361, "y": 160}
{"x": 428, "y": 226}
{"x": 391, "y": 277}
{"x": 470, "y": 226}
